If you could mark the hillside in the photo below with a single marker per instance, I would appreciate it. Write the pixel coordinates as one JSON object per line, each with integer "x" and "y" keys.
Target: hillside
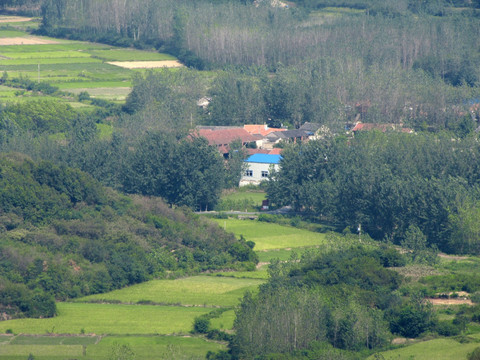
{"x": 63, "y": 235}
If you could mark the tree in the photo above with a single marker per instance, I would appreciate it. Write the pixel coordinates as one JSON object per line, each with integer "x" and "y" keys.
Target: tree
{"x": 416, "y": 243}
{"x": 184, "y": 172}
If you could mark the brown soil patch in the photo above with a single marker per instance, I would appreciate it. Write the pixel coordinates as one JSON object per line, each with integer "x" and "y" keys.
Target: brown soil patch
{"x": 260, "y": 264}
{"x": 453, "y": 257}
{"x": 146, "y": 64}
{"x": 451, "y": 301}
{"x": 14, "y": 19}
{"x": 30, "y": 40}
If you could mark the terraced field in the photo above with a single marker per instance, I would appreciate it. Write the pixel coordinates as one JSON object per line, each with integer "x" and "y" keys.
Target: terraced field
{"x": 73, "y": 66}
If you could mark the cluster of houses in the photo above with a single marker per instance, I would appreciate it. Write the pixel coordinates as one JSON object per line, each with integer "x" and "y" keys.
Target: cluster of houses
{"x": 264, "y": 144}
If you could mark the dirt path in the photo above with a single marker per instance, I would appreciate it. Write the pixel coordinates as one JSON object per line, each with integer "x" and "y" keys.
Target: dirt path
{"x": 452, "y": 257}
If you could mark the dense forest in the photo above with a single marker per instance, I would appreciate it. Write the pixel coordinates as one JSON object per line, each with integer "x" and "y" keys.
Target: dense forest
{"x": 387, "y": 182}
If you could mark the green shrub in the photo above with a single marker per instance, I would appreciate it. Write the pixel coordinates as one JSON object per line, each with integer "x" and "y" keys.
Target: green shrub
{"x": 447, "y": 328}
{"x": 201, "y": 325}
{"x": 474, "y": 355}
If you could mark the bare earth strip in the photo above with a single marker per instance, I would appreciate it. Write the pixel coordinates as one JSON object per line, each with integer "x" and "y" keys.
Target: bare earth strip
{"x": 14, "y": 19}
{"x": 146, "y": 64}
{"x": 31, "y": 40}
{"x": 450, "y": 301}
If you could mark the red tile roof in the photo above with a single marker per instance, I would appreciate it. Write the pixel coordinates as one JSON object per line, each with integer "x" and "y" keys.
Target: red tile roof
{"x": 223, "y": 137}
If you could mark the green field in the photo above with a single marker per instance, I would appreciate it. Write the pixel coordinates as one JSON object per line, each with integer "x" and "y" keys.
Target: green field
{"x": 197, "y": 290}
{"x": 71, "y": 65}
{"x": 241, "y": 200}
{"x": 438, "y": 349}
{"x": 150, "y": 347}
{"x": 272, "y": 236}
{"x": 76, "y": 318}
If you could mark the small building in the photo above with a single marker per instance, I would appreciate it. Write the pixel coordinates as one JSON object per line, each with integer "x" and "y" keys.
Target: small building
{"x": 258, "y": 168}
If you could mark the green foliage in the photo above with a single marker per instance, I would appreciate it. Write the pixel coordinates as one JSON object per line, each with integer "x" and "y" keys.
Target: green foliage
{"x": 412, "y": 318}
{"x": 416, "y": 243}
{"x": 447, "y": 328}
{"x": 474, "y": 355}
{"x": 72, "y": 237}
{"x": 333, "y": 298}
{"x": 428, "y": 187}
{"x": 44, "y": 116}
{"x": 201, "y": 325}
{"x": 453, "y": 282}
{"x": 121, "y": 352}
{"x": 187, "y": 172}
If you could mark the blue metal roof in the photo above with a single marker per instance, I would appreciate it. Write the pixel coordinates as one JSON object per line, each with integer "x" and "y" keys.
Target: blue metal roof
{"x": 264, "y": 158}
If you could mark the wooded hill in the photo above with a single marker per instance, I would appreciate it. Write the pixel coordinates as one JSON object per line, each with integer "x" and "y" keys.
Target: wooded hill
{"x": 63, "y": 235}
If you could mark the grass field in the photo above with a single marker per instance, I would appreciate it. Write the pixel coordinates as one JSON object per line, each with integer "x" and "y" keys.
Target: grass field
{"x": 241, "y": 200}
{"x": 196, "y": 290}
{"x": 272, "y": 236}
{"x": 225, "y": 321}
{"x": 70, "y": 64}
{"x": 438, "y": 349}
{"x": 143, "y": 347}
{"x": 76, "y": 318}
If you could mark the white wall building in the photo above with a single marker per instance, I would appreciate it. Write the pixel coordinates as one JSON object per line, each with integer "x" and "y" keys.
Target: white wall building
{"x": 258, "y": 168}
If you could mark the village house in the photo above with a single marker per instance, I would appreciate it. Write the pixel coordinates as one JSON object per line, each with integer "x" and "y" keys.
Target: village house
{"x": 258, "y": 168}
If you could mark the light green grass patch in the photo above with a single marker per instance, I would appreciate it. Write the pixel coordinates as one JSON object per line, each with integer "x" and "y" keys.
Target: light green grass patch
{"x": 259, "y": 274}
{"x": 195, "y": 290}
{"x": 143, "y": 348}
{"x": 281, "y": 254}
{"x": 41, "y": 351}
{"x": 11, "y": 33}
{"x": 66, "y": 54}
{"x": 272, "y": 236}
{"x": 105, "y": 131}
{"x": 438, "y": 349}
{"x": 224, "y": 322}
{"x": 130, "y": 55}
{"x": 109, "y": 319}
{"x": 54, "y": 340}
{"x": 65, "y": 46}
{"x": 157, "y": 347}
{"x": 88, "y": 85}
{"x": 49, "y": 61}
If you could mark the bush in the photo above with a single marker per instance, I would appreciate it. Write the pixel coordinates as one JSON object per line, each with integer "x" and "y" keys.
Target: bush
{"x": 201, "y": 325}
{"x": 474, "y": 355}
{"x": 447, "y": 328}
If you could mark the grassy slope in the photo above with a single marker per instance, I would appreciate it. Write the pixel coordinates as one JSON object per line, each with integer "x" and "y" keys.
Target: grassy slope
{"x": 438, "y": 349}
{"x": 269, "y": 236}
{"x": 196, "y": 290}
{"x": 151, "y": 347}
{"x": 110, "y": 319}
